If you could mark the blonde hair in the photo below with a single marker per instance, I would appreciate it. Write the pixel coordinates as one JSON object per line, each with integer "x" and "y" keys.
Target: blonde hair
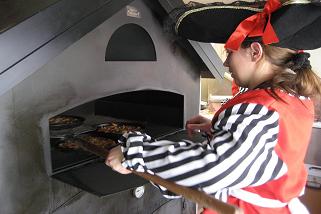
{"x": 293, "y": 72}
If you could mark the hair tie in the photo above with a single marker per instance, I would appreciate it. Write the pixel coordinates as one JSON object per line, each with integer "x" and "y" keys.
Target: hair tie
{"x": 300, "y": 61}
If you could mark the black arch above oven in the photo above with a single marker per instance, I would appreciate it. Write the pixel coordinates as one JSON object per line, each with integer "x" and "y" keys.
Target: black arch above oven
{"x": 130, "y": 42}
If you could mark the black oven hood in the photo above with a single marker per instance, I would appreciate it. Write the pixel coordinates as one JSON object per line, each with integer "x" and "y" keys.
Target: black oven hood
{"x": 31, "y": 34}
{"x": 30, "y": 38}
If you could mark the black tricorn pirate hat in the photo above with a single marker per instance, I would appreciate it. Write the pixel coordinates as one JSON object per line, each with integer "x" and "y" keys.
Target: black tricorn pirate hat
{"x": 294, "y": 24}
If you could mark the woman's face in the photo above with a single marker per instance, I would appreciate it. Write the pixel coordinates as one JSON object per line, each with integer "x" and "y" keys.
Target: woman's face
{"x": 240, "y": 66}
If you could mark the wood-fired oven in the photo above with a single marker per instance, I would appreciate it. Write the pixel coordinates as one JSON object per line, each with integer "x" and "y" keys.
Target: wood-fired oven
{"x": 158, "y": 113}
{"x": 101, "y": 61}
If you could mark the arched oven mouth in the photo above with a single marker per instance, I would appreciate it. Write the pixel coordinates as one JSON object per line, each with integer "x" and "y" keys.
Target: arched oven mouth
{"x": 101, "y": 122}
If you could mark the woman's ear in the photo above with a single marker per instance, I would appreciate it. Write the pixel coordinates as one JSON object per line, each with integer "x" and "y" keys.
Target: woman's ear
{"x": 256, "y": 51}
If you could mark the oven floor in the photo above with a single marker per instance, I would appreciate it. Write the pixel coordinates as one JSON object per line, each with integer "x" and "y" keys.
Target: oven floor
{"x": 99, "y": 179}
{"x": 95, "y": 177}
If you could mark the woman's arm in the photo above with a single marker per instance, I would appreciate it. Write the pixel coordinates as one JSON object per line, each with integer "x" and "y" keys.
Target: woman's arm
{"x": 241, "y": 153}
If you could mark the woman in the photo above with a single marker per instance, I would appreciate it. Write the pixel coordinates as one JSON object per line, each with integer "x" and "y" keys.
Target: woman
{"x": 254, "y": 158}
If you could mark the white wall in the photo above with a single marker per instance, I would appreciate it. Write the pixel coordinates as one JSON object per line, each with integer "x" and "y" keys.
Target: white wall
{"x": 315, "y": 60}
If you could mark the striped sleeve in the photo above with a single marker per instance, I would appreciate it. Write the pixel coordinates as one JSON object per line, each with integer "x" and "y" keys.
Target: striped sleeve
{"x": 240, "y": 154}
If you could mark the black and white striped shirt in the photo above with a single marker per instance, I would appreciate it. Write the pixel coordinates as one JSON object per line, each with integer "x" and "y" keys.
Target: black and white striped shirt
{"x": 240, "y": 154}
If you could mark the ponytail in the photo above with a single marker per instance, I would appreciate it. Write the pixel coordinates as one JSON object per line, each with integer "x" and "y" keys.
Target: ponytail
{"x": 307, "y": 83}
{"x": 293, "y": 72}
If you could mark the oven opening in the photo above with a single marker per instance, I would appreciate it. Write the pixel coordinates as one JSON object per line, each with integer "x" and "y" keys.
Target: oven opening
{"x": 157, "y": 113}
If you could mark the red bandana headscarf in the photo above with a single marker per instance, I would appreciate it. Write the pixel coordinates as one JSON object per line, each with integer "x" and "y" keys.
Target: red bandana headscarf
{"x": 255, "y": 25}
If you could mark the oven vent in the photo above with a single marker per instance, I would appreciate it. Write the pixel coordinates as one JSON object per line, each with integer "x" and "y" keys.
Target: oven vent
{"x": 130, "y": 42}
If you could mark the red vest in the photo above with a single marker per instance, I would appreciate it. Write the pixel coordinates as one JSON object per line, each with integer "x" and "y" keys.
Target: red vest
{"x": 295, "y": 126}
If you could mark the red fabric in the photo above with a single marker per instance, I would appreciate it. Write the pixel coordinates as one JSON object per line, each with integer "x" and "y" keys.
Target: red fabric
{"x": 235, "y": 88}
{"x": 250, "y": 208}
{"x": 255, "y": 25}
{"x": 295, "y": 127}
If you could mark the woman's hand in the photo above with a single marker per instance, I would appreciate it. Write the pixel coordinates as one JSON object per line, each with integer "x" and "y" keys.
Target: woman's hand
{"x": 198, "y": 123}
{"x": 114, "y": 160}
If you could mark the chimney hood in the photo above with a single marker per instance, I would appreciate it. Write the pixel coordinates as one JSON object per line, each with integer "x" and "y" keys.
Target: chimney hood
{"x": 34, "y": 33}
